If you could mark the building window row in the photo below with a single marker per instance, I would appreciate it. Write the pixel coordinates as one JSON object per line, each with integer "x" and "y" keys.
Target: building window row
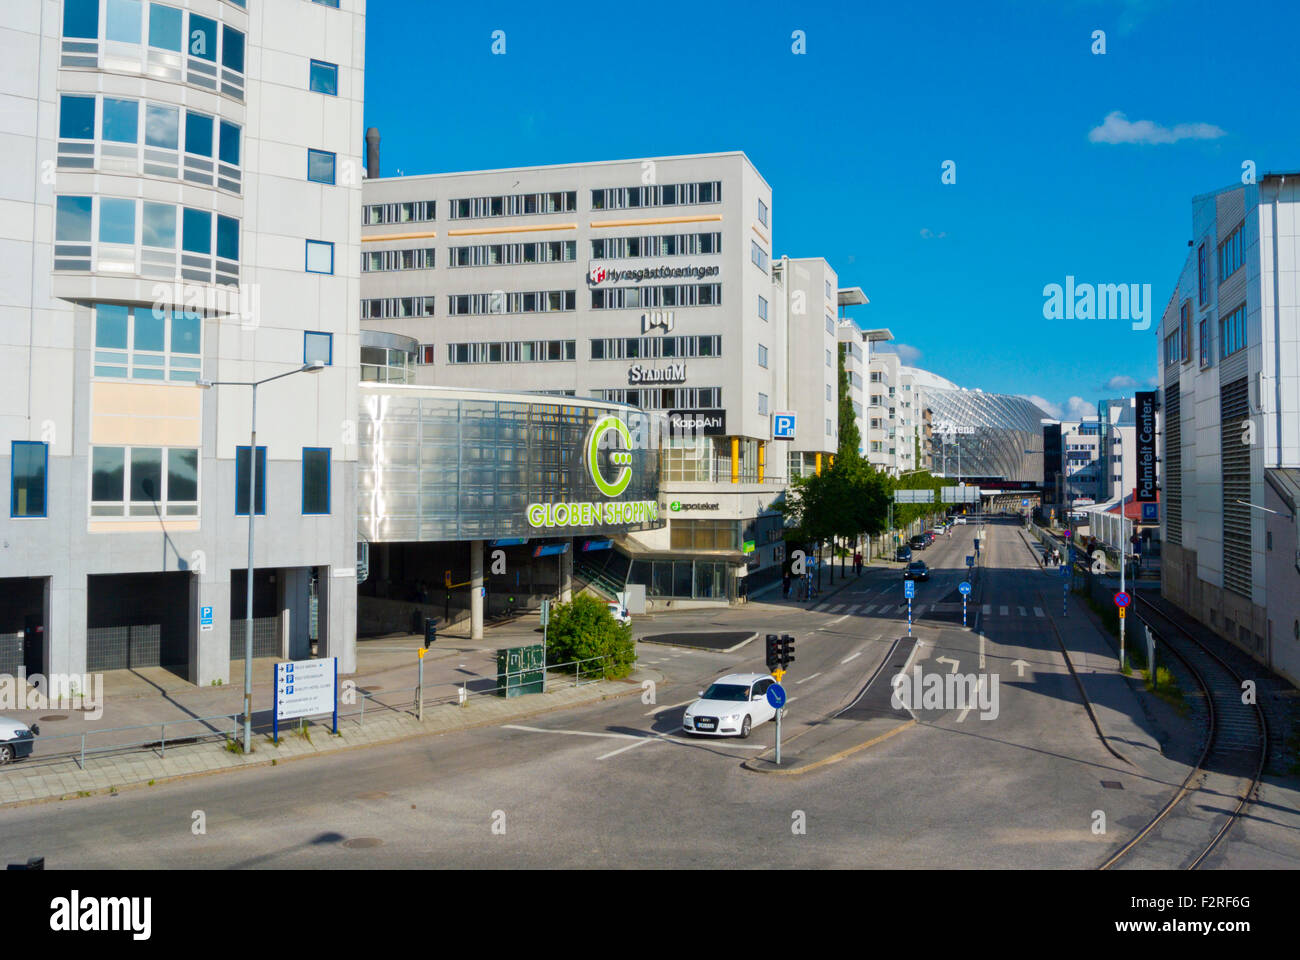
{"x": 672, "y": 295}
{"x": 500, "y": 302}
{"x": 123, "y": 135}
{"x": 417, "y": 211}
{"x": 663, "y": 245}
{"x": 383, "y": 261}
{"x": 147, "y": 343}
{"x": 636, "y": 348}
{"x": 1232, "y": 253}
{"x": 506, "y": 254}
{"x": 666, "y": 195}
{"x": 514, "y": 205}
{"x": 146, "y": 238}
{"x": 515, "y": 351}
{"x": 154, "y": 39}
{"x": 387, "y": 308}
{"x": 665, "y": 398}
{"x": 1232, "y": 332}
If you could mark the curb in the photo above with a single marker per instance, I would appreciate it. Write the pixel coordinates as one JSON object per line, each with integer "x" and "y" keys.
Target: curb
{"x": 825, "y": 761}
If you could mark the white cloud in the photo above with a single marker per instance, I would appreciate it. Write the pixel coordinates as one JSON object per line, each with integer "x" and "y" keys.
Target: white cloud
{"x": 1153, "y": 380}
{"x": 928, "y": 234}
{"x": 1076, "y": 408}
{"x": 906, "y": 353}
{"x": 1117, "y": 128}
{"x": 1121, "y": 382}
{"x": 1053, "y": 410}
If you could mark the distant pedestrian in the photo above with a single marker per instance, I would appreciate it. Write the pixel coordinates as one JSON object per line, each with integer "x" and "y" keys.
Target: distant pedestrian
{"x": 857, "y": 562}
{"x": 785, "y": 585}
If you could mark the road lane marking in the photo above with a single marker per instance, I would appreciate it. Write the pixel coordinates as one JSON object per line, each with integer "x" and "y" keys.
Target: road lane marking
{"x": 1022, "y": 611}
{"x": 851, "y": 656}
{"x": 869, "y": 608}
{"x": 1038, "y": 611}
{"x": 837, "y": 620}
{"x": 671, "y": 706}
{"x": 988, "y": 610}
{"x": 572, "y": 733}
{"x": 813, "y": 677}
{"x": 1003, "y": 610}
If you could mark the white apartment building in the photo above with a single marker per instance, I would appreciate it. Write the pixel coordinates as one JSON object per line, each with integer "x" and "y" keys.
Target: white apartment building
{"x": 180, "y": 198}
{"x": 1230, "y": 376}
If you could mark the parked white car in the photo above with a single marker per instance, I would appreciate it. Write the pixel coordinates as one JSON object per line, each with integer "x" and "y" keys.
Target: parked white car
{"x": 618, "y": 611}
{"x": 731, "y": 707}
{"x": 15, "y": 740}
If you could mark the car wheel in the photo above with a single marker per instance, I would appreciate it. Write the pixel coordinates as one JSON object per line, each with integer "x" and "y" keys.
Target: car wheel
{"x": 6, "y": 753}
{"x": 744, "y": 729}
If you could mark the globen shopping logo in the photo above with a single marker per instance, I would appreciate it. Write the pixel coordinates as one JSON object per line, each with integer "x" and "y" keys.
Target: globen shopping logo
{"x": 620, "y": 458}
{"x": 604, "y": 513}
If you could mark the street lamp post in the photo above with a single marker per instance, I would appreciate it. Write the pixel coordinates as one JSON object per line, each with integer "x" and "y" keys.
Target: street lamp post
{"x": 313, "y": 367}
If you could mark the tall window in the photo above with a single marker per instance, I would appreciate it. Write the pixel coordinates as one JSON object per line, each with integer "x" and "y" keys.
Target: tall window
{"x": 1205, "y": 343}
{"x": 762, "y": 213}
{"x": 1185, "y": 332}
{"x": 762, "y": 404}
{"x": 315, "y": 480}
{"x": 1232, "y": 332}
{"x": 762, "y": 307}
{"x": 1202, "y": 276}
{"x": 28, "y": 482}
{"x": 1232, "y": 253}
{"x": 241, "y": 481}
{"x": 762, "y": 356}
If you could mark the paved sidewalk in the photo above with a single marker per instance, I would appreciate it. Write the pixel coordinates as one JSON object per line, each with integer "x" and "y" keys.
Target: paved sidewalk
{"x": 58, "y": 779}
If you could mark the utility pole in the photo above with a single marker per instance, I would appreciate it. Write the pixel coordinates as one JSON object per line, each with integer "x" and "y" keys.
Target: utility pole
{"x": 1123, "y": 558}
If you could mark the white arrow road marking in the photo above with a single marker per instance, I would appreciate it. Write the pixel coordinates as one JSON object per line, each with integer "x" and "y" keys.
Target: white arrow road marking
{"x": 1020, "y": 666}
{"x": 851, "y": 656}
{"x": 806, "y": 679}
{"x": 961, "y": 716}
{"x": 1003, "y": 611}
{"x": 954, "y": 663}
{"x": 981, "y": 651}
{"x": 1022, "y": 610}
{"x": 1038, "y": 611}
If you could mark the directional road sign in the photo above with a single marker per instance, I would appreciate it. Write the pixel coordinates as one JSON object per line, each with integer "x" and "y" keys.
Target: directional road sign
{"x": 776, "y": 696}
{"x": 970, "y": 560}
{"x": 909, "y": 589}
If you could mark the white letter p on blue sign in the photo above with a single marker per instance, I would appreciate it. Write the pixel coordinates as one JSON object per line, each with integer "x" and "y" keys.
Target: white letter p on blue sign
{"x": 783, "y": 426}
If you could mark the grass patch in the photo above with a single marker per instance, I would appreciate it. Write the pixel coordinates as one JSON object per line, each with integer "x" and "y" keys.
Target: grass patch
{"x": 233, "y": 745}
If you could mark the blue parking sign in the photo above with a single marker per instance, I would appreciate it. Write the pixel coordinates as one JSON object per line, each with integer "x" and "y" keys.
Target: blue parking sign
{"x": 783, "y": 426}
{"x": 909, "y": 589}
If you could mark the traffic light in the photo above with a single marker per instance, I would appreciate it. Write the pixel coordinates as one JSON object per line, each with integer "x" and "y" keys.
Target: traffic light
{"x": 786, "y": 650}
{"x": 773, "y": 651}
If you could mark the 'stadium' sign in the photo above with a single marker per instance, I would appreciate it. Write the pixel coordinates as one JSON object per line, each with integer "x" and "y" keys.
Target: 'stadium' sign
{"x": 1146, "y": 446}
{"x": 542, "y": 515}
{"x": 672, "y": 373}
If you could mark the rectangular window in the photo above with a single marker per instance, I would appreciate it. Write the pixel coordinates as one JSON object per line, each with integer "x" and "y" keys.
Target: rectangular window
{"x": 324, "y": 78}
{"x": 121, "y": 120}
{"x": 762, "y": 404}
{"x": 164, "y": 27}
{"x": 196, "y": 231}
{"x": 81, "y": 19}
{"x": 198, "y": 134}
{"x": 241, "y": 481}
{"x": 158, "y": 224}
{"x": 1202, "y": 276}
{"x": 125, "y": 21}
{"x": 762, "y": 307}
{"x": 162, "y": 127}
{"x": 1205, "y": 343}
{"x": 28, "y": 482}
{"x": 1232, "y": 253}
{"x": 315, "y": 480}
{"x": 144, "y": 482}
{"x": 320, "y": 166}
{"x": 762, "y": 356}
{"x": 1232, "y": 332}
{"x": 320, "y": 257}
{"x": 229, "y": 149}
{"x": 227, "y": 238}
{"x": 232, "y": 49}
{"x": 762, "y": 213}
{"x": 116, "y": 221}
{"x": 203, "y": 38}
{"x": 1185, "y": 332}
{"x": 76, "y": 118}
{"x": 317, "y": 347}
{"x": 757, "y": 255}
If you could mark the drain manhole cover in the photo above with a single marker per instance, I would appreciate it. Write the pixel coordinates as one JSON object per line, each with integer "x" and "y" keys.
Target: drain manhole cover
{"x": 361, "y": 843}
{"x": 1112, "y": 785}
{"x": 54, "y": 716}
{"x": 372, "y": 795}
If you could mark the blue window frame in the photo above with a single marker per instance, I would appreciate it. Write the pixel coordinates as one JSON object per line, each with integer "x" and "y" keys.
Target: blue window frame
{"x": 315, "y": 480}
{"x": 162, "y": 126}
{"x": 320, "y": 256}
{"x": 1202, "y": 276}
{"x": 227, "y": 238}
{"x": 241, "y": 481}
{"x": 1232, "y": 332}
{"x": 229, "y": 143}
{"x": 164, "y": 27}
{"x": 324, "y": 78}
{"x": 318, "y": 347}
{"x": 72, "y": 219}
{"x": 125, "y": 21}
{"x": 116, "y": 220}
{"x": 81, "y": 19}
{"x": 232, "y": 49}
{"x": 76, "y": 118}
{"x": 320, "y": 166}
{"x": 29, "y": 479}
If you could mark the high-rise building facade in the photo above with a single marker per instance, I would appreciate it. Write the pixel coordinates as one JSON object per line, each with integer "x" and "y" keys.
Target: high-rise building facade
{"x": 1229, "y": 367}
{"x": 182, "y": 192}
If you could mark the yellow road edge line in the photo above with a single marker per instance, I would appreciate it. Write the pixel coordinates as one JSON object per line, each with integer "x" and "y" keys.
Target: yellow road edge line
{"x": 835, "y": 757}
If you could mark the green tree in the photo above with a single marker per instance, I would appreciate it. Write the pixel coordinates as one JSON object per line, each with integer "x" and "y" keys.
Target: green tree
{"x": 584, "y": 629}
{"x": 850, "y": 437}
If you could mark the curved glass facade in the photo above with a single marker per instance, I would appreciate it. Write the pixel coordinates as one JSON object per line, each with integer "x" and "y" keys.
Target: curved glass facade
{"x": 438, "y": 464}
{"x": 999, "y": 436}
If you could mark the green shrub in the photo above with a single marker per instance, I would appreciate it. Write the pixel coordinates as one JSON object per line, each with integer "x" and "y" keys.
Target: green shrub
{"x": 584, "y": 629}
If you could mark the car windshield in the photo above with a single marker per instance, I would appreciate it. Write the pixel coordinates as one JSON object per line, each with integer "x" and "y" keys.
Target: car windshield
{"x": 918, "y": 566}
{"x": 727, "y": 691}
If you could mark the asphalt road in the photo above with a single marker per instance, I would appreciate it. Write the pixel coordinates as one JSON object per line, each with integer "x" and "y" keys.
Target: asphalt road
{"x": 615, "y": 784}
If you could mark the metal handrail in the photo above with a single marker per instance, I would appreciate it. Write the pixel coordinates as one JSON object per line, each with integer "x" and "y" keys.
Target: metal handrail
{"x": 161, "y": 727}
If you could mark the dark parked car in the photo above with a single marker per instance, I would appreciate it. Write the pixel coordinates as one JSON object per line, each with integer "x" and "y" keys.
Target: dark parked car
{"x": 916, "y": 570}
{"x": 903, "y": 554}
{"x": 919, "y": 542}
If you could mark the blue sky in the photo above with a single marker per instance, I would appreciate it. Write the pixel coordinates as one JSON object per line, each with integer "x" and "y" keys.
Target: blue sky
{"x": 1008, "y": 91}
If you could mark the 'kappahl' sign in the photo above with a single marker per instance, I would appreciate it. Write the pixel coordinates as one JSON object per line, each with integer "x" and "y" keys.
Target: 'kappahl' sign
{"x": 608, "y": 431}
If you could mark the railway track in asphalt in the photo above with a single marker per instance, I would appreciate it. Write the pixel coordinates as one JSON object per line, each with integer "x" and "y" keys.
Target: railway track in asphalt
{"x": 1233, "y": 756}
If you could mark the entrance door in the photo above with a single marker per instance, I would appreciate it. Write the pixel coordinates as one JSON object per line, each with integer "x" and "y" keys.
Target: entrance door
{"x": 33, "y": 645}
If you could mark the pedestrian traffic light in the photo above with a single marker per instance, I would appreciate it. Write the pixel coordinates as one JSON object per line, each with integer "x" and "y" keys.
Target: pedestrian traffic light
{"x": 787, "y": 650}
{"x": 773, "y": 651}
